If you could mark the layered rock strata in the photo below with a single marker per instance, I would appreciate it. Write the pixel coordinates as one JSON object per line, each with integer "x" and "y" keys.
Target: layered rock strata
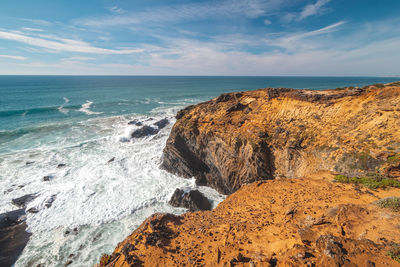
{"x": 239, "y": 138}
{"x": 250, "y": 145}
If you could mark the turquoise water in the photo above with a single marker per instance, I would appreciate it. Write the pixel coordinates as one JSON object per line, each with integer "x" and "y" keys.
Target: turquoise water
{"x": 82, "y": 122}
{"x": 28, "y": 100}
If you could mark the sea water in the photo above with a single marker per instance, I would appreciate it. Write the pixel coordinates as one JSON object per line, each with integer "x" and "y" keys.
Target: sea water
{"x": 108, "y": 182}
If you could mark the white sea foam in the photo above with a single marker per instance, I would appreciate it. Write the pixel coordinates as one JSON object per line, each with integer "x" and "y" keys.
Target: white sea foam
{"x": 61, "y": 108}
{"x": 86, "y": 108}
{"x": 104, "y": 200}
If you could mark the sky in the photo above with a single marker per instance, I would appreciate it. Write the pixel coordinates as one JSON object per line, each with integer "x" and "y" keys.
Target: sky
{"x": 194, "y": 37}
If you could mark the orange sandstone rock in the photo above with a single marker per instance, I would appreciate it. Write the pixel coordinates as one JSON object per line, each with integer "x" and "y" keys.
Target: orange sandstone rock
{"x": 287, "y": 222}
{"x": 239, "y": 138}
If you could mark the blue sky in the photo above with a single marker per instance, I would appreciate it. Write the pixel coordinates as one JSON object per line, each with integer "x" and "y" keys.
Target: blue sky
{"x": 193, "y": 37}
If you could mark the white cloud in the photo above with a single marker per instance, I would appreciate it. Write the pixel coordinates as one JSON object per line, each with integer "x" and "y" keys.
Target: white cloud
{"x": 296, "y": 41}
{"x": 79, "y": 59}
{"x": 308, "y": 11}
{"x": 313, "y": 9}
{"x": 32, "y": 29}
{"x": 38, "y": 21}
{"x": 116, "y": 9}
{"x": 267, "y": 22}
{"x": 193, "y": 11}
{"x": 13, "y": 57}
{"x": 61, "y": 44}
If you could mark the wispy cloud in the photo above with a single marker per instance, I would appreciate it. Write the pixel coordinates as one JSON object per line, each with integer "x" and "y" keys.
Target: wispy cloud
{"x": 32, "y": 29}
{"x": 37, "y": 21}
{"x": 60, "y": 44}
{"x": 190, "y": 12}
{"x": 13, "y": 57}
{"x": 116, "y": 9}
{"x": 296, "y": 41}
{"x": 309, "y": 10}
{"x": 313, "y": 9}
{"x": 79, "y": 59}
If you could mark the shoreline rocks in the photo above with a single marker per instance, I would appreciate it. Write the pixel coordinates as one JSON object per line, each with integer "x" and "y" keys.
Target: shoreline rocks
{"x": 21, "y": 202}
{"x": 13, "y": 237}
{"x": 239, "y": 143}
{"x": 190, "y": 199}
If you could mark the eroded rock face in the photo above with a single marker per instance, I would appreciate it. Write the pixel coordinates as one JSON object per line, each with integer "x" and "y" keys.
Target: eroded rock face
{"x": 309, "y": 221}
{"x": 239, "y": 138}
{"x": 13, "y": 237}
{"x": 192, "y": 200}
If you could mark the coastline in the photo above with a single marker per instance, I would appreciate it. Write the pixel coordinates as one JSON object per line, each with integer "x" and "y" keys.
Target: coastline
{"x": 310, "y": 219}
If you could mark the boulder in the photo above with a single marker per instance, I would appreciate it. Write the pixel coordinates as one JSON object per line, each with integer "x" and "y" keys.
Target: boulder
{"x": 22, "y": 201}
{"x": 193, "y": 200}
{"x": 161, "y": 123}
{"x": 135, "y": 122}
{"x": 13, "y": 237}
{"x": 144, "y": 131}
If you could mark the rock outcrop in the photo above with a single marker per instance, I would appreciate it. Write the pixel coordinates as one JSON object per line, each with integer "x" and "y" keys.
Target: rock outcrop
{"x": 249, "y": 145}
{"x": 285, "y": 222}
{"x": 239, "y": 138}
{"x": 13, "y": 237}
{"x": 193, "y": 200}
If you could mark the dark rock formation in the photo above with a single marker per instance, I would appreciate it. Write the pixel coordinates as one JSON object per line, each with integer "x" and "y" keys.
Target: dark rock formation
{"x": 50, "y": 201}
{"x": 61, "y": 165}
{"x": 144, "y": 131}
{"x": 47, "y": 178}
{"x": 161, "y": 123}
{"x": 193, "y": 200}
{"x": 135, "y": 122}
{"x": 13, "y": 237}
{"x": 22, "y": 201}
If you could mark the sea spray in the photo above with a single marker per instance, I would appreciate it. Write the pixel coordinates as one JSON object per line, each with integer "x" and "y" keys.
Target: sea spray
{"x": 104, "y": 201}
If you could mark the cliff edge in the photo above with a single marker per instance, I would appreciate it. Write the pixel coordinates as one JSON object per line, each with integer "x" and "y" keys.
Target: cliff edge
{"x": 243, "y": 137}
{"x": 248, "y": 144}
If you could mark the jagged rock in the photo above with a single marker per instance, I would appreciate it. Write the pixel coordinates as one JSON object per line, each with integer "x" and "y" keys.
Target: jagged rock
{"x": 47, "y": 178}
{"x": 161, "y": 123}
{"x": 193, "y": 200}
{"x": 144, "y": 131}
{"x": 111, "y": 160}
{"x": 332, "y": 223}
{"x": 247, "y": 219}
{"x": 135, "y": 122}
{"x": 236, "y": 138}
{"x": 61, "y": 165}
{"x": 12, "y": 218}
{"x": 13, "y": 237}
{"x": 33, "y": 210}
{"x": 50, "y": 201}
{"x": 22, "y": 201}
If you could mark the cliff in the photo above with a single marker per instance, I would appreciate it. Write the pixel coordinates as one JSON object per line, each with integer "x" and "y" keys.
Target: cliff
{"x": 285, "y": 222}
{"x": 239, "y": 138}
{"x": 248, "y": 144}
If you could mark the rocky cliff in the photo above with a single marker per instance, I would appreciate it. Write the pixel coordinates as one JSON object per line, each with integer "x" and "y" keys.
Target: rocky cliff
{"x": 285, "y": 222}
{"x": 248, "y": 144}
{"x": 239, "y": 138}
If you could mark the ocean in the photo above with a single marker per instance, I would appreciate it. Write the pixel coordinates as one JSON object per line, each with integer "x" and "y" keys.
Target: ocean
{"x": 100, "y": 183}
